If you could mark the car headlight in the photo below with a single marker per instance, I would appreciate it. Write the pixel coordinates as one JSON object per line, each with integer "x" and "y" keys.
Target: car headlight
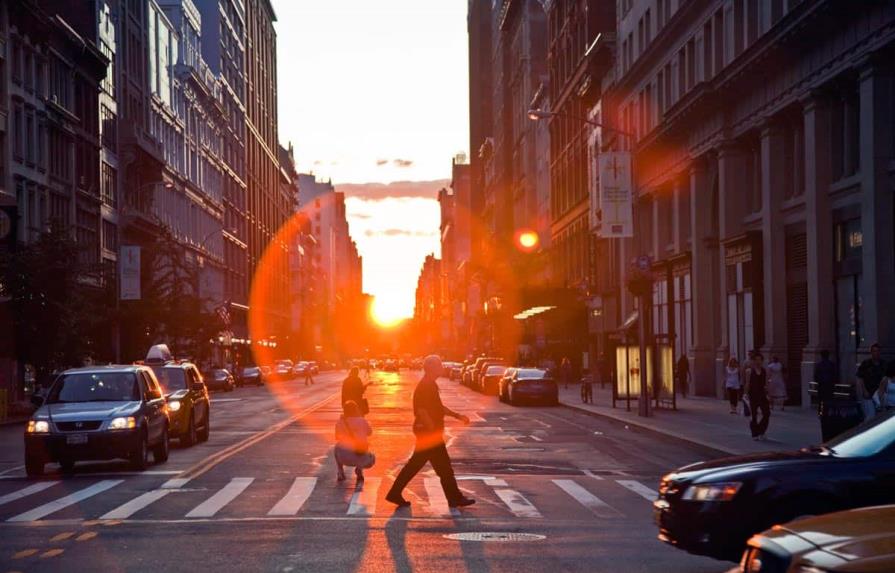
{"x": 38, "y": 427}
{"x": 724, "y": 491}
{"x": 174, "y": 405}
{"x": 123, "y": 423}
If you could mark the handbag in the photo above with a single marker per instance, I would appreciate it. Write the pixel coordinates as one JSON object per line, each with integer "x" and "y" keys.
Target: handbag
{"x": 364, "y": 406}
{"x": 359, "y": 451}
{"x": 747, "y": 410}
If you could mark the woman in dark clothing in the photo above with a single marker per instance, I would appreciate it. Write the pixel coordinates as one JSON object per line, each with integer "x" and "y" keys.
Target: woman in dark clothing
{"x": 353, "y": 390}
{"x": 757, "y": 390}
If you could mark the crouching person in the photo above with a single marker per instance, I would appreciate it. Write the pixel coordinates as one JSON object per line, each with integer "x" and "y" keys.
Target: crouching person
{"x": 352, "y": 445}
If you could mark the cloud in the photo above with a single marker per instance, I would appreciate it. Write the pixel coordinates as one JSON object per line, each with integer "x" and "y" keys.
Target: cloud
{"x": 397, "y": 189}
{"x": 381, "y": 162}
{"x": 403, "y": 163}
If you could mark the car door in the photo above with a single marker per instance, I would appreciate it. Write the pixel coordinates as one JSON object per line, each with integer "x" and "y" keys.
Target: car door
{"x": 156, "y": 415}
{"x": 199, "y": 394}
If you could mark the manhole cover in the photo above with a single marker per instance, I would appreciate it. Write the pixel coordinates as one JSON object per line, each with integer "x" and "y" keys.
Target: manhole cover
{"x": 495, "y": 536}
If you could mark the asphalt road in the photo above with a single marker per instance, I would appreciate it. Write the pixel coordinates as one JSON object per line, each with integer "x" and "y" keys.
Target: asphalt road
{"x": 262, "y": 495}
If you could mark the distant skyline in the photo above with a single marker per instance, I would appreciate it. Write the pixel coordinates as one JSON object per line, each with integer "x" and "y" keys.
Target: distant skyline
{"x": 371, "y": 93}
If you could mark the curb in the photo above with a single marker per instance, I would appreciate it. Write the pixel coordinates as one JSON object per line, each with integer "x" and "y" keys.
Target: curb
{"x": 723, "y": 452}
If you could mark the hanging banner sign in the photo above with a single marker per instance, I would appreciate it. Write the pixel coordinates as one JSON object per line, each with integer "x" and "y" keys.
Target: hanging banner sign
{"x": 616, "y": 195}
{"x": 130, "y": 273}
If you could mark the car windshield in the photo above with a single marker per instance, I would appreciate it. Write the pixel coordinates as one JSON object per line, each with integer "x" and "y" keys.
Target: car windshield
{"x": 251, "y": 370}
{"x": 868, "y": 439}
{"x": 220, "y": 374}
{"x": 172, "y": 379}
{"x": 94, "y": 387}
{"x": 531, "y": 373}
{"x": 494, "y": 370}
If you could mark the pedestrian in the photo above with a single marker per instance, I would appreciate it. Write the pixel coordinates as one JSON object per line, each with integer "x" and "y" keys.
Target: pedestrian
{"x": 826, "y": 376}
{"x": 886, "y": 393}
{"x": 565, "y": 371}
{"x": 732, "y": 383}
{"x": 868, "y": 377}
{"x": 757, "y": 391}
{"x": 352, "y": 443}
{"x": 587, "y": 388}
{"x": 428, "y": 428}
{"x": 309, "y": 377}
{"x": 776, "y": 383}
{"x": 683, "y": 374}
{"x": 353, "y": 391}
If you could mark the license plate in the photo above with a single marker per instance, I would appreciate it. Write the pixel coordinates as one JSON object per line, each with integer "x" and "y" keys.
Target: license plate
{"x": 76, "y": 439}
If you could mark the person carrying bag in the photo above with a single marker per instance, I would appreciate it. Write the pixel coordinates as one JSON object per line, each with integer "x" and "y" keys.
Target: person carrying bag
{"x": 352, "y": 446}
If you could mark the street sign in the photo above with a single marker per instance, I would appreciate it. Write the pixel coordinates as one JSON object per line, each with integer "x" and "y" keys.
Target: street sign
{"x": 616, "y": 197}
{"x": 130, "y": 273}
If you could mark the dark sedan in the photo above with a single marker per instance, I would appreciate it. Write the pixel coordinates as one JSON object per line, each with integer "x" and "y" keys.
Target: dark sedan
{"x": 220, "y": 379}
{"x": 712, "y": 508}
{"x": 99, "y": 414}
{"x": 252, "y": 375}
{"x": 529, "y": 385}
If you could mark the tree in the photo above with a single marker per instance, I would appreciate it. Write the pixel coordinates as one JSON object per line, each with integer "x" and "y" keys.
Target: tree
{"x": 57, "y": 300}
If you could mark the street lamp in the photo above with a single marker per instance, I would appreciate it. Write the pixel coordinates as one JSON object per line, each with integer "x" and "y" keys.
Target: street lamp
{"x": 641, "y": 290}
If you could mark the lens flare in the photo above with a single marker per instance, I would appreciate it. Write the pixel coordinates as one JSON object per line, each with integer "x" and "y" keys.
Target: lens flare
{"x": 527, "y": 240}
{"x": 387, "y": 313}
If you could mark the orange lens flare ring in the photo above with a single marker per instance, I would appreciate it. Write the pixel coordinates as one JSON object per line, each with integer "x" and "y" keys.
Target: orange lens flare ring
{"x": 527, "y": 240}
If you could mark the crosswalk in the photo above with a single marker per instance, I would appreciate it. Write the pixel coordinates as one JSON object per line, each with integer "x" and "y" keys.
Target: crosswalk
{"x": 533, "y": 497}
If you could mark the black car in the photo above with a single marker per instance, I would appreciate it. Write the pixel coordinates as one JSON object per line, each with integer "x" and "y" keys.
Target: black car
{"x": 252, "y": 375}
{"x": 529, "y": 385}
{"x": 189, "y": 409}
{"x": 219, "y": 379}
{"x": 712, "y": 508}
{"x": 99, "y": 413}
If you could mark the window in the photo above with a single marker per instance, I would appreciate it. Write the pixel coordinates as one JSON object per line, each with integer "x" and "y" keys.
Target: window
{"x": 108, "y": 84}
{"x": 718, "y": 29}
{"x": 41, "y": 144}
{"x": 110, "y": 236}
{"x": 707, "y": 52}
{"x": 29, "y": 69}
{"x": 18, "y": 129}
{"x": 846, "y": 117}
{"x": 108, "y": 128}
{"x": 691, "y": 64}
{"x": 108, "y": 185}
{"x": 29, "y": 136}
{"x": 16, "y": 60}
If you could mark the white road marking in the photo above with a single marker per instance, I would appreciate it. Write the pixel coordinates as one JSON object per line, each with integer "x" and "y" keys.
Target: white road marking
{"x": 638, "y": 488}
{"x": 591, "y": 474}
{"x": 586, "y": 498}
{"x": 517, "y": 503}
{"x": 24, "y": 492}
{"x": 228, "y": 493}
{"x": 175, "y": 483}
{"x": 63, "y": 502}
{"x": 534, "y": 437}
{"x": 545, "y": 424}
{"x": 133, "y": 506}
{"x": 363, "y": 502}
{"x": 474, "y": 417}
{"x": 10, "y": 470}
{"x": 438, "y": 504}
{"x": 295, "y": 498}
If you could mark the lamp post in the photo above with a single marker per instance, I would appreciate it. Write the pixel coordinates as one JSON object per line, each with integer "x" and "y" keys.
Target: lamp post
{"x": 118, "y": 237}
{"x": 639, "y": 285}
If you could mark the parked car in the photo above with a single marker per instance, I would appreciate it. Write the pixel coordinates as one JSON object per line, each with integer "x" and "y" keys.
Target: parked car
{"x": 479, "y": 382}
{"x": 466, "y": 376}
{"x": 844, "y": 541}
{"x": 220, "y": 379}
{"x": 712, "y": 508}
{"x": 530, "y": 385}
{"x": 300, "y": 368}
{"x": 490, "y": 380}
{"x": 99, "y": 413}
{"x": 503, "y": 383}
{"x": 477, "y": 370}
{"x": 252, "y": 375}
{"x": 390, "y": 366}
{"x": 282, "y": 369}
{"x": 315, "y": 369}
{"x": 456, "y": 371}
{"x": 189, "y": 411}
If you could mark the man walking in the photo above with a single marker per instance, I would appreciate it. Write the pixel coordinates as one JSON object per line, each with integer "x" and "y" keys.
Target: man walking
{"x": 428, "y": 427}
{"x": 870, "y": 374}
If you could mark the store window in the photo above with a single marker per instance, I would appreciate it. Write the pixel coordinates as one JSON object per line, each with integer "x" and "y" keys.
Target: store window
{"x": 743, "y": 271}
{"x": 848, "y": 292}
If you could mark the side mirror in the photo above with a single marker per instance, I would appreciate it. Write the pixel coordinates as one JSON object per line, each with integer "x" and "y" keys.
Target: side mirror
{"x": 198, "y": 386}
{"x": 37, "y": 400}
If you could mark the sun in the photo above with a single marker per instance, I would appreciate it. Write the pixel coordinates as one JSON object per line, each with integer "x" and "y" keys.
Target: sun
{"x": 388, "y": 312}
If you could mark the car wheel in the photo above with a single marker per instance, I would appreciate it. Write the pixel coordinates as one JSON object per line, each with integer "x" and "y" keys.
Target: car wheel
{"x": 189, "y": 437}
{"x": 206, "y": 429}
{"x": 67, "y": 465}
{"x": 34, "y": 468}
{"x": 139, "y": 459}
{"x": 510, "y": 397}
{"x": 160, "y": 452}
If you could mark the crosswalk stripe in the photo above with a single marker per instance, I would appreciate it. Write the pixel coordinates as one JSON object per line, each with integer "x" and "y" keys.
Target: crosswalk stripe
{"x": 296, "y": 497}
{"x": 438, "y": 504}
{"x": 638, "y": 488}
{"x": 225, "y": 495}
{"x": 363, "y": 502}
{"x": 136, "y": 504}
{"x": 25, "y": 492}
{"x": 517, "y": 503}
{"x": 63, "y": 502}
{"x": 586, "y": 498}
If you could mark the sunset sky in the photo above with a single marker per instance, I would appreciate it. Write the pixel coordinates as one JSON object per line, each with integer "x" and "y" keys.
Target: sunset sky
{"x": 377, "y": 92}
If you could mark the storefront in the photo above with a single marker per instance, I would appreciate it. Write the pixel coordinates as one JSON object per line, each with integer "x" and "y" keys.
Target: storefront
{"x": 743, "y": 272}
{"x": 848, "y": 240}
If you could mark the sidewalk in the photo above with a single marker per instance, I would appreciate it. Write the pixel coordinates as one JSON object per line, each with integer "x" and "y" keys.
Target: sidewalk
{"x": 706, "y": 422}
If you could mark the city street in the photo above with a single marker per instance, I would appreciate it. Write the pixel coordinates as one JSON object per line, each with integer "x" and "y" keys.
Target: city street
{"x": 262, "y": 494}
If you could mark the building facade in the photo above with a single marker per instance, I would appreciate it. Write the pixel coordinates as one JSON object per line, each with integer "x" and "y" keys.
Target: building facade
{"x": 762, "y": 155}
